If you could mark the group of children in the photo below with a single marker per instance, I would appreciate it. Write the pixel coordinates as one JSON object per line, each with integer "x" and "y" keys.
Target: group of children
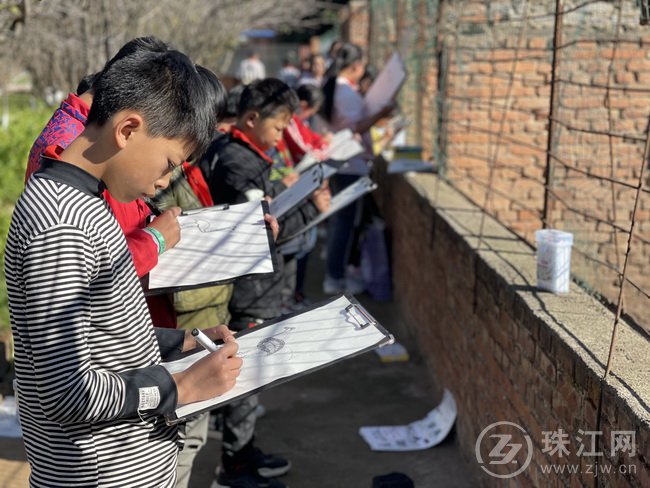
{"x": 88, "y": 344}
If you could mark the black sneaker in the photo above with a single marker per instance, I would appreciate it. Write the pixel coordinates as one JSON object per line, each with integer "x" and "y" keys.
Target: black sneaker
{"x": 253, "y": 460}
{"x": 225, "y": 479}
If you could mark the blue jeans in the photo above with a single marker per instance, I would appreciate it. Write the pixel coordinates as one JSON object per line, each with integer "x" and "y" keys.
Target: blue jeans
{"x": 340, "y": 229}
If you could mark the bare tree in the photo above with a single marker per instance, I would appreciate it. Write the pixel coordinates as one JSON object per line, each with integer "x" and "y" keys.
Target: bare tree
{"x": 60, "y": 41}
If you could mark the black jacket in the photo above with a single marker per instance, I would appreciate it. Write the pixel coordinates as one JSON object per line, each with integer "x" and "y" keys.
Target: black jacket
{"x": 234, "y": 168}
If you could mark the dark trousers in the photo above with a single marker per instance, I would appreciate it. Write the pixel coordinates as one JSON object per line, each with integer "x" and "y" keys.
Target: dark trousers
{"x": 340, "y": 229}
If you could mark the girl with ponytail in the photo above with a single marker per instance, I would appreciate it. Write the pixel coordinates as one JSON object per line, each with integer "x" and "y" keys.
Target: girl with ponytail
{"x": 343, "y": 108}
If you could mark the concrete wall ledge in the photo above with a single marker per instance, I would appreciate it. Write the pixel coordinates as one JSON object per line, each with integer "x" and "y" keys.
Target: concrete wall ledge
{"x": 507, "y": 350}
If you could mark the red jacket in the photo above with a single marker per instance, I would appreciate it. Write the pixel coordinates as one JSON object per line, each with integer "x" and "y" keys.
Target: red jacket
{"x": 300, "y": 139}
{"x": 66, "y": 124}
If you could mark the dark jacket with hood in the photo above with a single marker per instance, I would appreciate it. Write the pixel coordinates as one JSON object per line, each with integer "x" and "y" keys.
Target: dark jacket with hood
{"x": 237, "y": 172}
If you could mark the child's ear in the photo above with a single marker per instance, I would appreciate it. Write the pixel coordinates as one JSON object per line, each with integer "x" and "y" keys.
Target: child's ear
{"x": 251, "y": 119}
{"x": 125, "y": 126}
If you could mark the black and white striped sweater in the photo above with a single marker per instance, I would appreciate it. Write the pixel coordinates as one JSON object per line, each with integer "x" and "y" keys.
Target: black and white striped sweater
{"x": 90, "y": 388}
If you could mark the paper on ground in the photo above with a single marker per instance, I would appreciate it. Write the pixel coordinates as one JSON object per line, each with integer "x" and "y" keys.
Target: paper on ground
{"x": 9, "y": 424}
{"x": 418, "y": 435}
{"x": 392, "y": 353}
{"x": 216, "y": 245}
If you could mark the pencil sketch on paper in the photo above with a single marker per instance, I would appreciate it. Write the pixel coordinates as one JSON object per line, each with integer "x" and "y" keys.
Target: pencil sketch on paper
{"x": 293, "y": 346}
{"x": 205, "y": 226}
{"x": 216, "y": 245}
{"x": 271, "y": 345}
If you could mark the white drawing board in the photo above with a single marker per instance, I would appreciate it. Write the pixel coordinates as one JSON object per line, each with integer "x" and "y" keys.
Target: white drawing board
{"x": 217, "y": 245}
{"x": 340, "y": 200}
{"x": 386, "y": 85}
{"x": 277, "y": 351}
{"x": 308, "y": 182}
{"x": 342, "y": 147}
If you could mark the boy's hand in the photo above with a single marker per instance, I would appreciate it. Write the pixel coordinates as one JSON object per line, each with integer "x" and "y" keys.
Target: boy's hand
{"x": 167, "y": 224}
{"x": 273, "y": 223}
{"x": 218, "y": 333}
{"x": 210, "y": 376}
{"x": 322, "y": 198}
{"x": 290, "y": 179}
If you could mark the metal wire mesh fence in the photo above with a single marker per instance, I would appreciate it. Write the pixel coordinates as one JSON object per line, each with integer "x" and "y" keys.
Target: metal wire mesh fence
{"x": 538, "y": 112}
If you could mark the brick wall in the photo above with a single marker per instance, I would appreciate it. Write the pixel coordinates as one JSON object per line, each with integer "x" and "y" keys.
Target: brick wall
{"x": 507, "y": 351}
{"x": 478, "y": 93}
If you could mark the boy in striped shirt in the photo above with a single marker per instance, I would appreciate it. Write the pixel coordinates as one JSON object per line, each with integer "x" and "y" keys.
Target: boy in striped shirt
{"x": 90, "y": 387}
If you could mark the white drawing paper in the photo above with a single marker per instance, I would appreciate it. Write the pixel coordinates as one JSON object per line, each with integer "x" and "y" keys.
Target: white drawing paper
{"x": 342, "y": 147}
{"x": 293, "y": 346}
{"x": 216, "y": 245}
{"x": 406, "y": 165}
{"x": 340, "y": 200}
{"x": 386, "y": 85}
{"x": 418, "y": 435}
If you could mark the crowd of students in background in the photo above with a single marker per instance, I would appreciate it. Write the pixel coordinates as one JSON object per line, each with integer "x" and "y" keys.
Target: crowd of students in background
{"x": 265, "y": 127}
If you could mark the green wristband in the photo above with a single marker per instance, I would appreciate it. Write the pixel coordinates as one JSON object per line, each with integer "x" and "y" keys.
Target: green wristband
{"x": 159, "y": 238}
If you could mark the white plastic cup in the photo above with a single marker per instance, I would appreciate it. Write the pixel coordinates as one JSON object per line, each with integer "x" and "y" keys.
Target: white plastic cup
{"x": 553, "y": 260}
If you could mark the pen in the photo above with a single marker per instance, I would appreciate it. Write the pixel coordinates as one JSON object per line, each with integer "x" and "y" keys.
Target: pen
{"x": 152, "y": 206}
{"x": 204, "y": 340}
{"x": 192, "y": 211}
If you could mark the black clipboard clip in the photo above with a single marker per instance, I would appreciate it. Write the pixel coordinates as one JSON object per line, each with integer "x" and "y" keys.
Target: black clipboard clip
{"x": 319, "y": 175}
{"x": 193, "y": 211}
{"x": 367, "y": 319}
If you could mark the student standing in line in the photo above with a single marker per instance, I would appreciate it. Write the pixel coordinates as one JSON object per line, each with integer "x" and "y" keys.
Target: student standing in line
{"x": 242, "y": 173}
{"x": 142, "y": 237}
{"x": 201, "y": 307}
{"x": 343, "y": 108}
{"x": 87, "y": 358}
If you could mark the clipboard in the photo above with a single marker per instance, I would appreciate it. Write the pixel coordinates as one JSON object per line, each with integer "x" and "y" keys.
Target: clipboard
{"x": 309, "y": 181}
{"x": 292, "y": 346}
{"x": 388, "y": 82}
{"x": 342, "y": 147}
{"x": 407, "y": 165}
{"x": 351, "y": 193}
{"x": 307, "y": 184}
{"x": 218, "y": 245}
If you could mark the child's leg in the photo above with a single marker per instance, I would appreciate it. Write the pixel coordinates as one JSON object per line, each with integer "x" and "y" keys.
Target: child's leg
{"x": 340, "y": 230}
{"x": 196, "y": 435}
{"x": 239, "y": 455}
{"x": 289, "y": 281}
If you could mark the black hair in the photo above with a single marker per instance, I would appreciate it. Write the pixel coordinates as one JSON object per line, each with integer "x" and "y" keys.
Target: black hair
{"x": 233, "y": 101}
{"x": 86, "y": 83}
{"x": 267, "y": 97}
{"x": 217, "y": 94}
{"x": 139, "y": 44}
{"x": 345, "y": 56}
{"x": 311, "y": 94}
{"x": 166, "y": 89}
{"x": 146, "y": 44}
